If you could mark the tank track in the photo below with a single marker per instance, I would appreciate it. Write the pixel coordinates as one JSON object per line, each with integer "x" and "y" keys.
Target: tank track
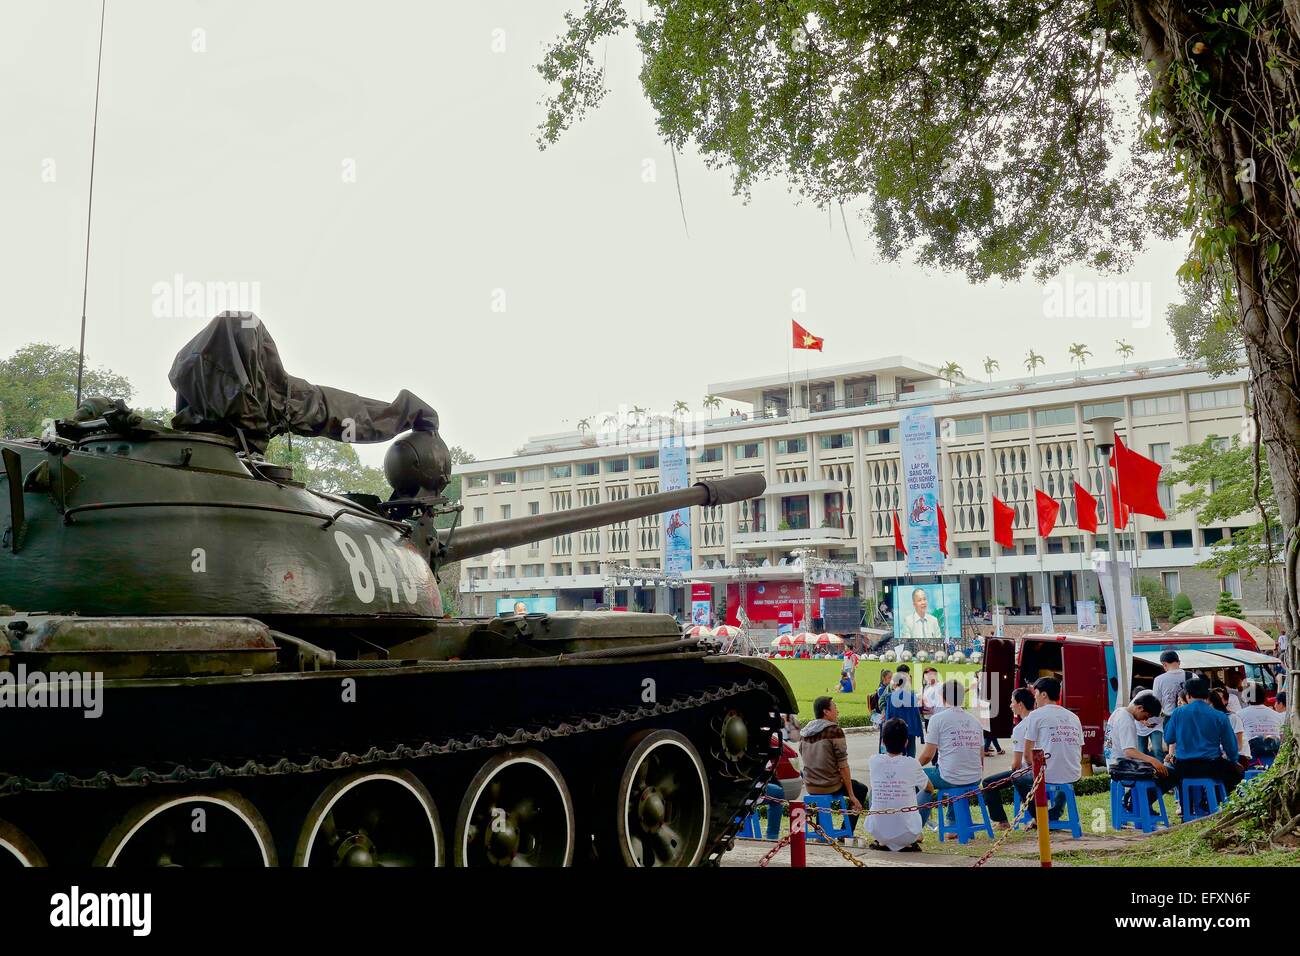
{"x": 728, "y": 816}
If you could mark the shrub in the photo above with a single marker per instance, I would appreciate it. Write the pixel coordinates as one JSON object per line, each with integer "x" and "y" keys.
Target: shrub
{"x": 1181, "y": 609}
{"x": 1228, "y": 605}
{"x": 1157, "y": 598}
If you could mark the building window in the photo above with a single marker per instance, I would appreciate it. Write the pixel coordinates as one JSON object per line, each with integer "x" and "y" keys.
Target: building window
{"x": 1171, "y": 583}
{"x": 1054, "y": 416}
{"x": 504, "y": 571}
{"x": 1006, "y": 423}
{"x": 821, "y": 398}
{"x": 1028, "y": 547}
{"x": 503, "y": 478}
{"x": 1164, "y": 491}
{"x": 476, "y": 481}
{"x": 882, "y": 554}
{"x": 1055, "y": 545}
{"x": 1210, "y": 536}
{"x": 751, "y": 450}
{"x": 588, "y": 468}
{"x": 562, "y": 570}
{"x": 533, "y": 475}
{"x": 1219, "y": 398}
{"x": 478, "y": 605}
{"x": 708, "y": 455}
{"x": 646, "y": 462}
{"x": 534, "y": 507}
{"x": 561, "y": 471}
{"x": 882, "y": 436}
{"x": 1231, "y": 582}
{"x": 964, "y": 551}
{"x": 969, "y": 426}
{"x": 791, "y": 446}
{"x": 859, "y": 391}
{"x": 794, "y": 512}
{"x": 1155, "y": 540}
{"x": 1112, "y": 409}
{"x": 776, "y": 403}
{"x": 1159, "y": 405}
{"x": 505, "y": 512}
{"x": 478, "y": 516}
{"x": 476, "y": 574}
{"x": 1180, "y": 539}
{"x": 532, "y": 571}
{"x": 615, "y": 465}
{"x": 838, "y": 440}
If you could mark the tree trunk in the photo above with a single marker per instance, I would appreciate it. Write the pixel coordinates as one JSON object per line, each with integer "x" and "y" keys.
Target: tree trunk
{"x": 1265, "y": 259}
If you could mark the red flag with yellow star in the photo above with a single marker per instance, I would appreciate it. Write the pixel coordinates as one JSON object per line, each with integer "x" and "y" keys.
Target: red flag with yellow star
{"x": 803, "y": 339}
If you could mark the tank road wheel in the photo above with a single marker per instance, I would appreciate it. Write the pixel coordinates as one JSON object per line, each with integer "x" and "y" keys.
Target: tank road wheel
{"x": 372, "y": 818}
{"x": 16, "y": 851}
{"x": 516, "y": 812}
{"x": 193, "y": 829}
{"x": 662, "y": 802}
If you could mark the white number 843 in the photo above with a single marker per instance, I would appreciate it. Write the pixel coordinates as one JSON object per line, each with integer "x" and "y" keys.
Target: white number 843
{"x": 389, "y": 562}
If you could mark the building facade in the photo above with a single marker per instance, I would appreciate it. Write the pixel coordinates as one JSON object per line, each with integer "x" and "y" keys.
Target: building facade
{"x": 828, "y": 448}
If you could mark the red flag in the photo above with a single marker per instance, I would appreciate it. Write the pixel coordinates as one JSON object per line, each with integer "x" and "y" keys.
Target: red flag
{"x": 803, "y": 339}
{"x": 1003, "y": 516}
{"x": 898, "y": 535}
{"x": 1086, "y": 505}
{"x": 1118, "y": 509}
{"x": 1138, "y": 479}
{"x": 943, "y": 534}
{"x": 1048, "y": 509}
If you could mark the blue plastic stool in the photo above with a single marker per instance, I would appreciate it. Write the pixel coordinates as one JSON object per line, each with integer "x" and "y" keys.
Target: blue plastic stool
{"x": 1252, "y": 773}
{"x": 1068, "y": 821}
{"x": 962, "y": 827}
{"x": 1212, "y": 790}
{"x": 749, "y": 828}
{"x": 1142, "y": 793}
{"x": 822, "y": 801}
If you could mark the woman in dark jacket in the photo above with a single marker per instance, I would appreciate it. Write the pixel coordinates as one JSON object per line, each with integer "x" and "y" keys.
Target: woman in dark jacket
{"x": 905, "y": 704}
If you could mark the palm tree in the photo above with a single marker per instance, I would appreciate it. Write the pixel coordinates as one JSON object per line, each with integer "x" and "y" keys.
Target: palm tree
{"x": 949, "y": 371}
{"x": 712, "y": 402}
{"x": 680, "y": 408}
{"x": 990, "y": 366}
{"x": 1079, "y": 354}
{"x": 636, "y": 413}
{"x": 1124, "y": 350}
{"x": 609, "y": 421}
{"x": 584, "y": 424}
{"x": 1033, "y": 360}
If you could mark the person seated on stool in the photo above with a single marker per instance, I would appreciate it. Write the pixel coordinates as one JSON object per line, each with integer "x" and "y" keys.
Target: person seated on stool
{"x": 825, "y": 756}
{"x": 1022, "y": 702}
{"x": 1262, "y": 725}
{"x": 954, "y": 743}
{"x": 1200, "y": 740}
{"x": 896, "y": 779}
{"x": 1125, "y": 753}
{"x": 1058, "y": 733}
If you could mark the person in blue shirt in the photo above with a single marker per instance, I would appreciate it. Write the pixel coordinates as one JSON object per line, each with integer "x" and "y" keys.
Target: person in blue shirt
{"x": 1201, "y": 740}
{"x": 905, "y": 704}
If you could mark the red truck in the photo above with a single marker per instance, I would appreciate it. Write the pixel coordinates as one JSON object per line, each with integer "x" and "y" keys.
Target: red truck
{"x": 1085, "y": 665}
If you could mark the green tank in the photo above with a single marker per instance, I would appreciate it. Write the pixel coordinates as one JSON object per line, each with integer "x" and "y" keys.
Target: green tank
{"x": 205, "y": 662}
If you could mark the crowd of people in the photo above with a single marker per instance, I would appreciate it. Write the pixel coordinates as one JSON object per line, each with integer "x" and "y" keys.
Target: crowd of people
{"x": 1187, "y": 726}
{"x": 1184, "y": 726}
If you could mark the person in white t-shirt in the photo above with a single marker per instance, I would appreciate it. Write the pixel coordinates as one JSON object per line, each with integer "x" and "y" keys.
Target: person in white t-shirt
{"x": 954, "y": 743}
{"x": 1058, "y": 733}
{"x": 1125, "y": 754}
{"x": 896, "y": 782}
{"x": 1261, "y": 725}
{"x": 1022, "y": 702}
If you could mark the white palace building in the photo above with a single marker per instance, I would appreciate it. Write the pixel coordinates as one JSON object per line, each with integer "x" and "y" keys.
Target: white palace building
{"x": 828, "y": 447}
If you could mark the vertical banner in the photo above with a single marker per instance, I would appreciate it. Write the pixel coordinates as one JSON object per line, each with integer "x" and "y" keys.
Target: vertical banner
{"x": 677, "y": 524}
{"x": 1087, "y": 611}
{"x": 1046, "y": 611}
{"x": 921, "y": 481}
{"x": 998, "y": 621}
{"x": 1141, "y": 613}
{"x": 702, "y": 604}
{"x": 1123, "y": 641}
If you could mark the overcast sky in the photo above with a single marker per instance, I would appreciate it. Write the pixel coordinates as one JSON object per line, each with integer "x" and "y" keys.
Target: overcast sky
{"x": 374, "y": 169}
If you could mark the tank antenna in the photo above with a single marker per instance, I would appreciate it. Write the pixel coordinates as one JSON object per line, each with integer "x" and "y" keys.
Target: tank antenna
{"x": 90, "y": 199}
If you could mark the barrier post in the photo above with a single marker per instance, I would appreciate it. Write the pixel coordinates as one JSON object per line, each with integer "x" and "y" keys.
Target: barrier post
{"x": 1040, "y": 811}
{"x": 798, "y": 849}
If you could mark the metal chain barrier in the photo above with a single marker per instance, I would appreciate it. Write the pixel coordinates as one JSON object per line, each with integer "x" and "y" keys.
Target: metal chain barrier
{"x": 1025, "y": 811}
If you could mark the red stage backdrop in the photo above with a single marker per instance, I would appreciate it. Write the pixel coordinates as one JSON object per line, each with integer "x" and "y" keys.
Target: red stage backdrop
{"x": 777, "y": 602}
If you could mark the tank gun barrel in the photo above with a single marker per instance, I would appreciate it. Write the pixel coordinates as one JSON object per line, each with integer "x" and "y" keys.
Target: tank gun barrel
{"x": 486, "y": 538}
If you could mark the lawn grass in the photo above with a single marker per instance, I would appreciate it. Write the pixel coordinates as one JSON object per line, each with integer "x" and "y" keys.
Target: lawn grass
{"x": 812, "y": 679}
